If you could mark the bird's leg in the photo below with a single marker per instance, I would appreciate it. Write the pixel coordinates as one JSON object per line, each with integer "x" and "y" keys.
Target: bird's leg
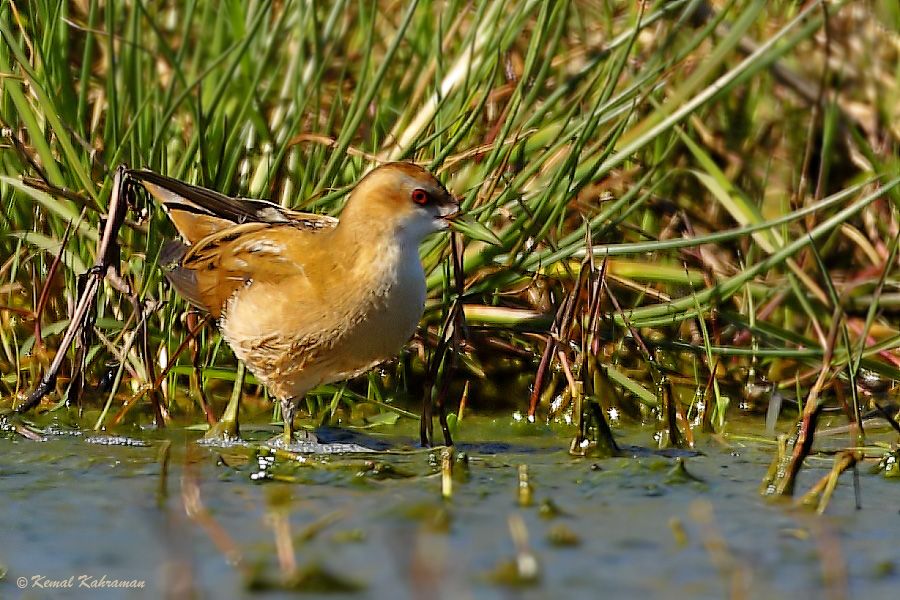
{"x": 228, "y": 426}
{"x": 287, "y": 413}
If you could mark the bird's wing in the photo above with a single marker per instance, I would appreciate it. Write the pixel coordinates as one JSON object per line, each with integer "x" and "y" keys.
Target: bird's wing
{"x": 209, "y": 272}
{"x": 198, "y": 213}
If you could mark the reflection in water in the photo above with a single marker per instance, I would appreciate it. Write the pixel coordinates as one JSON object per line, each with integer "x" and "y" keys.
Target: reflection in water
{"x": 192, "y": 518}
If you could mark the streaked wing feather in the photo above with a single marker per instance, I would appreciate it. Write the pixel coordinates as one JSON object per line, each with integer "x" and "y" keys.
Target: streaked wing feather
{"x": 215, "y": 268}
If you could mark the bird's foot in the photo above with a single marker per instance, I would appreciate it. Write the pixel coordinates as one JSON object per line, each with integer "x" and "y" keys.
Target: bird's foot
{"x": 287, "y": 414}
{"x": 225, "y": 429}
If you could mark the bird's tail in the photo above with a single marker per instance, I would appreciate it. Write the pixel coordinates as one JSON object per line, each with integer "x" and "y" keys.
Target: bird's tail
{"x": 198, "y": 212}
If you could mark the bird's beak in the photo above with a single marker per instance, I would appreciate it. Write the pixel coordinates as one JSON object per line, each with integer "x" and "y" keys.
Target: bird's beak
{"x": 449, "y": 211}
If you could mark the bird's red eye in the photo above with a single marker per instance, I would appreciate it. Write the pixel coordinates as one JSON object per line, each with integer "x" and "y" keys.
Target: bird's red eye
{"x": 419, "y": 196}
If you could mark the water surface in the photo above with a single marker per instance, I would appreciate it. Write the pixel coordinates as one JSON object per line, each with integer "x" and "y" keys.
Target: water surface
{"x": 374, "y": 525}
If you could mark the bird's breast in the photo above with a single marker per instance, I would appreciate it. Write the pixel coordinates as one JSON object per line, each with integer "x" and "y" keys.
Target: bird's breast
{"x": 299, "y": 333}
{"x": 393, "y": 311}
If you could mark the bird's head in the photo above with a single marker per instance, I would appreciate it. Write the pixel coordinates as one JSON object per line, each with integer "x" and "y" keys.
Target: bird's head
{"x": 404, "y": 198}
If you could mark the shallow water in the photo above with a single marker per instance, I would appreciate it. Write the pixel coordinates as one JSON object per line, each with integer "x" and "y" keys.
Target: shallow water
{"x": 623, "y": 527}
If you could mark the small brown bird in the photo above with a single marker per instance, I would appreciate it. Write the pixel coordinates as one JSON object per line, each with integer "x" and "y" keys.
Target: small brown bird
{"x": 305, "y": 299}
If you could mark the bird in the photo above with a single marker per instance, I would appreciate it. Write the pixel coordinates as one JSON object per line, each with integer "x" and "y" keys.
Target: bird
{"x": 306, "y": 299}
